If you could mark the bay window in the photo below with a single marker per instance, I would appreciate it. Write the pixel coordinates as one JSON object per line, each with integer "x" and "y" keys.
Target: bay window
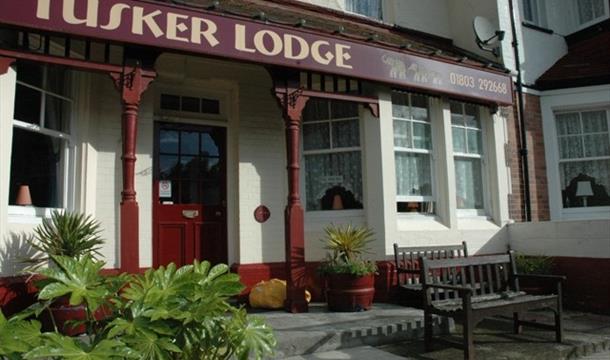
{"x": 584, "y": 157}
{"x": 332, "y": 155}
{"x": 534, "y": 12}
{"x": 40, "y": 136}
{"x": 468, "y": 158}
{"x": 413, "y": 153}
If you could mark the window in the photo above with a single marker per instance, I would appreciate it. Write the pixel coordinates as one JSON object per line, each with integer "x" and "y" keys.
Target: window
{"x": 584, "y": 158}
{"x": 40, "y": 135}
{"x": 413, "y": 153}
{"x": 331, "y": 147}
{"x": 590, "y": 10}
{"x": 370, "y": 8}
{"x": 534, "y": 12}
{"x": 468, "y": 157}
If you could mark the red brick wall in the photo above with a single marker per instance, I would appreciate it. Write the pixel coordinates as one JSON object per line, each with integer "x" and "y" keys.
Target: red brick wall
{"x": 536, "y": 160}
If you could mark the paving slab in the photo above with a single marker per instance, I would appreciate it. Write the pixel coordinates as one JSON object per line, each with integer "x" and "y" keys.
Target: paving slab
{"x": 357, "y": 353}
{"x": 321, "y": 331}
{"x": 585, "y": 335}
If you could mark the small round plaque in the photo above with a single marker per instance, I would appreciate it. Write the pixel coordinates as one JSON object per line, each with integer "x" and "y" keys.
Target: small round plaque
{"x": 262, "y": 214}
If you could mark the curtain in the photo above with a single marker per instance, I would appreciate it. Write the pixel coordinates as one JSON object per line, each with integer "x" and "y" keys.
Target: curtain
{"x": 325, "y": 171}
{"x": 589, "y": 10}
{"x": 370, "y": 8}
{"x": 469, "y": 183}
{"x": 413, "y": 174}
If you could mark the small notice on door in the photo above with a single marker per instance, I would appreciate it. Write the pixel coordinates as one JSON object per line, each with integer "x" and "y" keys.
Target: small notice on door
{"x": 165, "y": 189}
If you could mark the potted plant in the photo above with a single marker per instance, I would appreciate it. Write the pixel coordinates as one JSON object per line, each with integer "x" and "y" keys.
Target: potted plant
{"x": 350, "y": 280}
{"x": 69, "y": 234}
{"x": 167, "y": 313}
{"x": 534, "y": 265}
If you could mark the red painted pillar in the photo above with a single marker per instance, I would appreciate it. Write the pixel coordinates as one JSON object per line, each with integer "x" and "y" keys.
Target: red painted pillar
{"x": 5, "y": 63}
{"x": 293, "y": 103}
{"x": 131, "y": 83}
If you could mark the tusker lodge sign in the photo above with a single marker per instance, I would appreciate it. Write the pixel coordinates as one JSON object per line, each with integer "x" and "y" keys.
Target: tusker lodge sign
{"x": 162, "y": 26}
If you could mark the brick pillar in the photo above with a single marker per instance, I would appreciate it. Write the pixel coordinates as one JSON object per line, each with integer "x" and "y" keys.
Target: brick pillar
{"x": 131, "y": 83}
{"x": 293, "y": 102}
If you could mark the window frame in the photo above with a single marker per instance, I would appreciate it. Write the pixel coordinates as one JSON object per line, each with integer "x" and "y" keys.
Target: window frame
{"x": 380, "y": 18}
{"x": 33, "y": 214}
{"x": 576, "y": 11}
{"x": 320, "y": 213}
{"x": 485, "y": 211}
{"x": 541, "y": 16}
{"x": 576, "y": 211}
{"x": 413, "y": 150}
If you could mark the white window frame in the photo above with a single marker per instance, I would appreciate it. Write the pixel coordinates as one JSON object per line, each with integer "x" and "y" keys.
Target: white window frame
{"x": 474, "y": 213}
{"x": 577, "y": 212}
{"x": 413, "y": 150}
{"x": 576, "y": 12}
{"x": 33, "y": 214}
{"x": 380, "y": 18}
{"x": 540, "y": 19}
{"x": 325, "y": 214}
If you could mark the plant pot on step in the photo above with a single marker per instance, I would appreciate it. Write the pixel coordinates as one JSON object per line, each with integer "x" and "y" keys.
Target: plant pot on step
{"x": 69, "y": 319}
{"x": 346, "y": 292}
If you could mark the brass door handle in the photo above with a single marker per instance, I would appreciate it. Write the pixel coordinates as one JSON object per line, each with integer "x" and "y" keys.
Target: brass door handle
{"x": 190, "y": 214}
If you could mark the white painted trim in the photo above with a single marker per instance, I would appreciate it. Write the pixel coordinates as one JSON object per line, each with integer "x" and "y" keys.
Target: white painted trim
{"x": 575, "y": 90}
{"x": 8, "y": 84}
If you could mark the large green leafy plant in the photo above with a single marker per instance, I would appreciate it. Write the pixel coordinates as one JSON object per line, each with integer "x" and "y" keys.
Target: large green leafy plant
{"x": 167, "y": 313}
{"x": 67, "y": 234}
{"x": 346, "y": 245}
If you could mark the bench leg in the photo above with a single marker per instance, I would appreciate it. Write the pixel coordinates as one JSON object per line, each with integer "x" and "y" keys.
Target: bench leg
{"x": 468, "y": 338}
{"x": 517, "y": 328}
{"x": 559, "y": 316}
{"x": 428, "y": 329}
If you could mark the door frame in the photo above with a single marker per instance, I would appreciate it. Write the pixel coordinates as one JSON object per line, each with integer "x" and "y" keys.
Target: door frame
{"x": 179, "y": 125}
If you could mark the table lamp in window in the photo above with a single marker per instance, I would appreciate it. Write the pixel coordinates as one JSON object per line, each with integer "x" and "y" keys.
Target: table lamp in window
{"x": 583, "y": 189}
{"x": 23, "y": 196}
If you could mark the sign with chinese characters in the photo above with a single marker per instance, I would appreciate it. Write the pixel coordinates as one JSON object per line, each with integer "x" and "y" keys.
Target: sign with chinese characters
{"x": 197, "y": 31}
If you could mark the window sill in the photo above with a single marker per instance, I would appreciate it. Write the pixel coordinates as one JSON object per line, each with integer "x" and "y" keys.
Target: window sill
{"x": 419, "y": 222}
{"x": 318, "y": 220}
{"x": 28, "y": 214}
{"x": 476, "y": 223}
{"x": 589, "y": 213}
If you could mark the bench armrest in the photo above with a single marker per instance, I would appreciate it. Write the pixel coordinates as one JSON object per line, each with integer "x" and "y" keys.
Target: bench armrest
{"x": 542, "y": 277}
{"x": 461, "y": 289}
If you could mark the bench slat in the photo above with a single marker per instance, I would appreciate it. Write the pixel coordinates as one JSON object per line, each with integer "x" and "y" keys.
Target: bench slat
{"x": 476, "y": 260}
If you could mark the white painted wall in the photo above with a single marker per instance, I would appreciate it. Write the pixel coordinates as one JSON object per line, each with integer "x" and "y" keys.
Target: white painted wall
{"x": 576, "y": 238}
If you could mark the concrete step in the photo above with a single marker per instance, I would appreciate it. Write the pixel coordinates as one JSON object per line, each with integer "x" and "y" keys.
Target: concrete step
{"x": 357, "y": 353}
{"x": 321, "y": 331}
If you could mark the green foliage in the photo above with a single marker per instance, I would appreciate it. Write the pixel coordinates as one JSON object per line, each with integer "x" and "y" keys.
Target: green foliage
{"x": 346, "y": 245}
{"x": 67, "y": 234}
{"x": 542, "y": 265}
{"x": 167, "y": 313}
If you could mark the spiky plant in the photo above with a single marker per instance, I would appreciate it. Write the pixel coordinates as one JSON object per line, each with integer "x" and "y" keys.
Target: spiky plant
{"x": 348, "y": 242}
{"x": 68, "y": 234}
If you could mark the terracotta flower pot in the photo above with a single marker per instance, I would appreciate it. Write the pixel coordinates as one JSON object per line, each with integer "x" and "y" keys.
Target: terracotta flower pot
{"x": 350, "y": 293}
{"x": 65, "y": 314}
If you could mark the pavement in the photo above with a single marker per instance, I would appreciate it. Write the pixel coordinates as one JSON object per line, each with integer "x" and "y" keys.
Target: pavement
{"x": 391, "y": 332}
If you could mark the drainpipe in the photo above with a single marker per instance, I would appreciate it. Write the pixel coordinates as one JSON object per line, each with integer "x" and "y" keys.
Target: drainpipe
{"x": 521, "y": 118}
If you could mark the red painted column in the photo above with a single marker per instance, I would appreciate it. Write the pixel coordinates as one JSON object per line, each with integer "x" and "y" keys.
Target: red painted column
{"x": 5, "y": 63}
{"x": 293, "y": 103}
{"x": 131, "y": 83}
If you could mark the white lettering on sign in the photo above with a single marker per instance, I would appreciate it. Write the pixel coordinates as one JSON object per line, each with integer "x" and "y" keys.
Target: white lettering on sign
{"x": 293, "y": 47}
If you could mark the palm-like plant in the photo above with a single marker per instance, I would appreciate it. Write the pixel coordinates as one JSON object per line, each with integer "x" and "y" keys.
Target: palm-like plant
{"x": 68, "y": 234}
{"x": 347, "y": 243}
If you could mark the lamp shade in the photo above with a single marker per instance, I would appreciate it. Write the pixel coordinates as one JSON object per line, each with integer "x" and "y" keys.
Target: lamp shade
{"x": 23, "y": 196}
{"x": 583, "y": 188}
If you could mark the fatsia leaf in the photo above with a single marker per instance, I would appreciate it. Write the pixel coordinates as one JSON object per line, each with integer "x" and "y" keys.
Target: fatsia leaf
{"x": 55, "y": 345}
{"x": 18, "y": 336}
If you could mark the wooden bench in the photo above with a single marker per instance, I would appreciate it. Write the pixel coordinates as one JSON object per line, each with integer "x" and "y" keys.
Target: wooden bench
{"x": 406, "y": 260}
{"x": 477, "y": 287}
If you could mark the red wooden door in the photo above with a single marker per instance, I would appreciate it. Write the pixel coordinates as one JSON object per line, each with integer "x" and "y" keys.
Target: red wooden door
{"x": 189, "y": 194}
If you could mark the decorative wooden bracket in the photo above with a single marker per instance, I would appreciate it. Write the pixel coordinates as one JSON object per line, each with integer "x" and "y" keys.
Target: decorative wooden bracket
{"x": 292, "y": 102}
{"x": 5, "y": 63}
{"x": 131, "y": 83}
{"x": 374, "y": 108}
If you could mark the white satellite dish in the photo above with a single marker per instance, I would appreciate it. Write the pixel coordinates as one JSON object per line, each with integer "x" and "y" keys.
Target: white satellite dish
{"x": 487, "y": 35}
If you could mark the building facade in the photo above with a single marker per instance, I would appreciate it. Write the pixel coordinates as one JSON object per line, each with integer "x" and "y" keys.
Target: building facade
{"x": 241, "y": 145}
